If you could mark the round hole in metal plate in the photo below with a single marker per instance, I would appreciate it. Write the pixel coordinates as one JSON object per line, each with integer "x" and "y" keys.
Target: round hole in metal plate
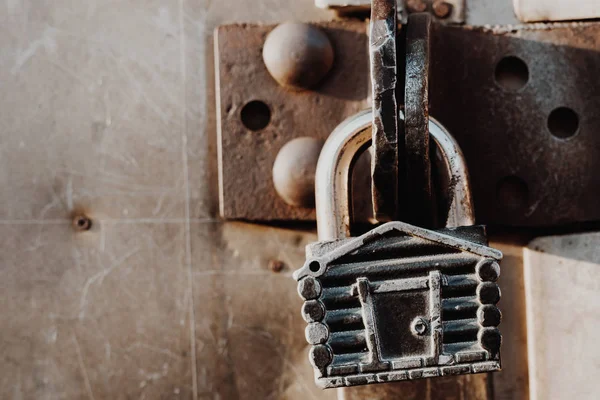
{"x": 563, "y": 122}
{"x": 256, "y": 115}
{"x": 511, "y": 73}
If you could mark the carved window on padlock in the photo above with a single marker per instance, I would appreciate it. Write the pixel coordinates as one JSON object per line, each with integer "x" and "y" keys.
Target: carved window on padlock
{"x": 401, "y": 302}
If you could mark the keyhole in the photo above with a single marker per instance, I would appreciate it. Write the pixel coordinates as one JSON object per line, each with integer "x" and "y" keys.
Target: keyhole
{"x": 419, "y": 326}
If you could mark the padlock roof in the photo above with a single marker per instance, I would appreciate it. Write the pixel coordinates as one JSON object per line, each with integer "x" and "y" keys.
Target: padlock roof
{"x": 349, "y": 246}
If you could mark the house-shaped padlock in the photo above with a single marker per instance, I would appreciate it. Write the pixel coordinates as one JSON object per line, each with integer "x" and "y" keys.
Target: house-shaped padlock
{"x": 401, "y": 302}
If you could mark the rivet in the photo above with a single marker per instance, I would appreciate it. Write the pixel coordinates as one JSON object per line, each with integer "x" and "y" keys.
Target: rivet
{"x": 82, "y": 223}
{"x": 276, "y": 265}
{"x": 442, "y": 9}
{"x": 298, "y": 55}
{"x": 294, "y": 171}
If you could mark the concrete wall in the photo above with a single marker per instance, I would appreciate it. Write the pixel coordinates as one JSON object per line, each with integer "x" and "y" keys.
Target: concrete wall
{"x": 107, "y": 109}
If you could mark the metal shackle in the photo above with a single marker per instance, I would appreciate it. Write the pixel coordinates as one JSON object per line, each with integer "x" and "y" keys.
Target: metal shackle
{"x": 344, "y": 145}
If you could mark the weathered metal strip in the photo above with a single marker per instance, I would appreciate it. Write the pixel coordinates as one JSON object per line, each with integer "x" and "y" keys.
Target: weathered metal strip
{"x": 390, "y": 267}
{"x": 349, "y": 316}
{"x": 339, "y": 297}
{"x": 385, "y": 144}
{"x": 395, "y": 376}
{"x": 435, "y": 314}
{"x": 459, "y": 304}
{"x": 395, "y": 285}
{"x": 346, "y": 340}
{"x": 341, "y": 359}
{"x": 374, "y": 362}
{"x": 462, "y": 347}
{"x": 460, "y": 326}
{"x": 461, "y": 281}
{"x": 396, "y": 248}
{"x": 470, "y": 356}
{"x": 418, "y": 191}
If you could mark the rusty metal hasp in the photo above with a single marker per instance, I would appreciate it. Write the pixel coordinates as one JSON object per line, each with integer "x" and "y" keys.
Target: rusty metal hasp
{"x": 517, "y": 99}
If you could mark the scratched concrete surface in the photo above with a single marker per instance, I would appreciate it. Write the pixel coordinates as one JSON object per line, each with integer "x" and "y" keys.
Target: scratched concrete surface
{"x": 562, "y": 282}
{"x": 107, "y": 107}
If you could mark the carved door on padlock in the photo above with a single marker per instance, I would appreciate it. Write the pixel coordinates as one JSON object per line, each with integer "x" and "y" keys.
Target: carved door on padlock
{"x": 402, "y": 319}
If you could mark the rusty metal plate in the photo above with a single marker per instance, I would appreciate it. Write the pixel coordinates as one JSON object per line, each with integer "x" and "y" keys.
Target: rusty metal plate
{"x": 418, "y": 197}
{"x": 401, "y": 302}
{"x": 248, "y": 98}
{"x": 522, "y": 104}
{"x": 524, "y": 107}
{"x": 386, "y": 148}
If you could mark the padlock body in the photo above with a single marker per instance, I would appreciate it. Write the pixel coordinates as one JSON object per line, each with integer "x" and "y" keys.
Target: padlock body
{"x": 401, "y": 302}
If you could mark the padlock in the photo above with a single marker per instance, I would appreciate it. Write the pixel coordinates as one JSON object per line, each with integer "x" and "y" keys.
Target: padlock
{"x": 399, "y": 302}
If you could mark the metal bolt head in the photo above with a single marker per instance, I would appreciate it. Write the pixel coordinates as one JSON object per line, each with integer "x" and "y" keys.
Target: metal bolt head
{"x": 298, "y": 55}
{"x": 294, "y": 171}
{"x": 442, "y": 9}
{"x": 276, "y": 265}
{"x": 82, "y": 223}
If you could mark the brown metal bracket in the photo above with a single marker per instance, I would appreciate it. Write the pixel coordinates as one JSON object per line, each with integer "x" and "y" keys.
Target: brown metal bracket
{"x": 400, "y": 152}
{"x": 418, "y": 205}
{"x": 387, "y": 144}
{"x": 248, "y": 94}
{"x": 523, "y": 105}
